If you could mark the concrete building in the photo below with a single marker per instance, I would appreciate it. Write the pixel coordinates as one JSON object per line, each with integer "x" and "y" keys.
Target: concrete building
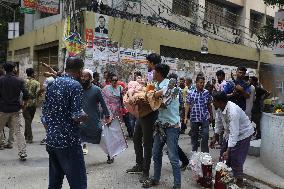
{"x": 230, "y": 26}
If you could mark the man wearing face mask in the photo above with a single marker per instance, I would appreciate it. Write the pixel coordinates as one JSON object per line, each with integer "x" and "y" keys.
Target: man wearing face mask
{"x": 91, "y": 129}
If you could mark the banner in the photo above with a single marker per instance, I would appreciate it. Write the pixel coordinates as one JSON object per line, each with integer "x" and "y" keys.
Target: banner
{"x": 48, "y": 6}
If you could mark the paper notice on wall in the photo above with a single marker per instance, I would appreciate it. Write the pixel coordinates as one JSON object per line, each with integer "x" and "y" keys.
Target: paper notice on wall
{"x": 171, "y": 62}
{"x": 100, "y": 49}
{"x": 113, "y": 50}
{"x": 89, "y": 58}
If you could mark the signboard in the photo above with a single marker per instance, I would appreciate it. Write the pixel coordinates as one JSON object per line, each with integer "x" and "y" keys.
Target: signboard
{"x": 24, "y": 10}
{"x": 279, "y": 24}
{"x": 48, "y": 6}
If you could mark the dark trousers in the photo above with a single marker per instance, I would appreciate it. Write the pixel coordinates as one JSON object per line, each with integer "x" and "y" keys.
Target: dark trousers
{"x": 182, "y": 116}
{"x": 28, "y": 114}
{"x": 143, "y": 134}
{"x": 69, "y": 162}
{"x": 237, "y": 155}
{"x": 129, "y": 126}
{"x": 256, "y": 117}
{"x": 182, "y": 157}
{"x": 200, "y": 130}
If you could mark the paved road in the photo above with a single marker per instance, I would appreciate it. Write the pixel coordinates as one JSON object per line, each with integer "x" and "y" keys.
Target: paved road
{"x": 33, "y": 174}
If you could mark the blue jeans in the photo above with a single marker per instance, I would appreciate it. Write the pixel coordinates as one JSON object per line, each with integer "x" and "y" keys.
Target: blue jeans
{"x": 200, "y": 133}
{"x": 69, "y": 162}
{"x": 172, "y": 143}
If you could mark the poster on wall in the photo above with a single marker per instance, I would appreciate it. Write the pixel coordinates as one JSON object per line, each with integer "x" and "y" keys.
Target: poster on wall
{"x": 48, "y": 6}
{"x": 141, "y": 56}
{"x": 127, "y": 55}
{"x": 100, "y": 50}
{"x": 113, "y": 50}
{"x": 89, "y": 58}
{"x": 138, "y": 44}
{"x": 101, "y": 29}
{"x": 204, "y": 45}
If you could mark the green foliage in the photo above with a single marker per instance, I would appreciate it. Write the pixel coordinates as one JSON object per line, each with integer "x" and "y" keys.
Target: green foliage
{"x": 269, "y": 36}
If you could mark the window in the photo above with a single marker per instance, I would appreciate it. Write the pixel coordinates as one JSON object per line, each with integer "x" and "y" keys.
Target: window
{"x": 255, "y": 22}
{"x": 181, "y": 7}
{"x": 220, "y": 14}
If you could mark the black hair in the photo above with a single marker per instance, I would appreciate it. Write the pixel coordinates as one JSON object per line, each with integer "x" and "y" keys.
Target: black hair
{"x": 163, "y": 69}
{"x": 254, "y": 79}
{"x": 200, "y": 74}
{"x": 102, "y": 17}
{"x": 200, "y": 77}
{"x": 154, "y": 58}
{"x": 96, "y": 74}
{"x": 173, "y": 75}
{"x": 242, "y": 68}
{"x": 9, "y": 67}
{"x": 138, "y": 73}
{"x": 220, "y": 73}
{"x": 188, "y": 79}
{"x": 220, "y": 96}
{"x": 55, "y": 68}
{"x": 74, "y": 64}
{"x": 30, "y": 72}
{"x": 181, "y": 78}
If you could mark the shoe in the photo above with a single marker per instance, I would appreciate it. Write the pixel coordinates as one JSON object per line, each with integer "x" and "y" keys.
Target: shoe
{"x": 8, "y": 146}
{"x": 2, "y": 147}
{"x": 177, "y": 187}
{"x": 144, "y": 178}
{"x": 43, "y": 142}
{"x": 183, "y": 167}
{"x": 23, "y": 157}
{"x": 137, "y": 169}
{"x": 110, "y": 161}
{"x": 85, "y": 151}
{"x": 149, "y": 183}
{"x": 182, "y": 132}
{"x": 29, "y": 141}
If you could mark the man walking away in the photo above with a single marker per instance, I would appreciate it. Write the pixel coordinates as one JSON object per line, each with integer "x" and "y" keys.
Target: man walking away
{"x": 62, "y": 114}
{"x": 11, "y": 88}
{"x": 33, "y": 87}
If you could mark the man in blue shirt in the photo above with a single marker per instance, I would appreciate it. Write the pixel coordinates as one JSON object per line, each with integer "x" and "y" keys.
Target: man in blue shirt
{"x": 198, "y": 103}
{"x": 62, "y": 114}
{"x": 167, "y": 126}
{"x": 238, "y": 90}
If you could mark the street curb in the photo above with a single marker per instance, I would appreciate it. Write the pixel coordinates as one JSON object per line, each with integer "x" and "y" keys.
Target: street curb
{"x": 261, "y": 181}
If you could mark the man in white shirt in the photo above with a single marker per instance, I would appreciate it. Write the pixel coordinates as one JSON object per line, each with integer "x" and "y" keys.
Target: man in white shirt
{"x": 237, "y": 134}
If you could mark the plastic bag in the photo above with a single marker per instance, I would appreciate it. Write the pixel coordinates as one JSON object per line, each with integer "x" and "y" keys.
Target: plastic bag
{"x": 113, "y": 141}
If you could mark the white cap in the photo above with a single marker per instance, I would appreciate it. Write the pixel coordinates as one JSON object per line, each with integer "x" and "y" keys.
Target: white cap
{"x": 89, "y": 71}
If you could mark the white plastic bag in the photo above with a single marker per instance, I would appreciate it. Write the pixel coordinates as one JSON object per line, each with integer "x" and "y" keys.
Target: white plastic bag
{"x": 113, "y": 141}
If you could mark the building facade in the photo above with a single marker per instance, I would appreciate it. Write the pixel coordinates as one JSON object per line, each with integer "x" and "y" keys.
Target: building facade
{"x": 230, "y": 26}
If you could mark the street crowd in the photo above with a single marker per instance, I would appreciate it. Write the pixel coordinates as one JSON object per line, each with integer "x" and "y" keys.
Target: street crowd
{"x": 77, "y": 104}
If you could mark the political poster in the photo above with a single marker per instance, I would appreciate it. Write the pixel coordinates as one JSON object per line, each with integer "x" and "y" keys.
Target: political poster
{"x": 102, "y": 23}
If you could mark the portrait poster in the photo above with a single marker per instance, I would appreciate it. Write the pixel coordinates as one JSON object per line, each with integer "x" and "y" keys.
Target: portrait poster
{"x": 101, "y": 26}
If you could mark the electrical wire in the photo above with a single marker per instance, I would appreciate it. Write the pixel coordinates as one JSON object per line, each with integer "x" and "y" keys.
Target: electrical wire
{"x": 224, "y": 28}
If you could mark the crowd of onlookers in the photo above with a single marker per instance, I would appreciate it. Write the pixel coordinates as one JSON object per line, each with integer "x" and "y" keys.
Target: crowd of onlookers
{"x": 78, "y": 97}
